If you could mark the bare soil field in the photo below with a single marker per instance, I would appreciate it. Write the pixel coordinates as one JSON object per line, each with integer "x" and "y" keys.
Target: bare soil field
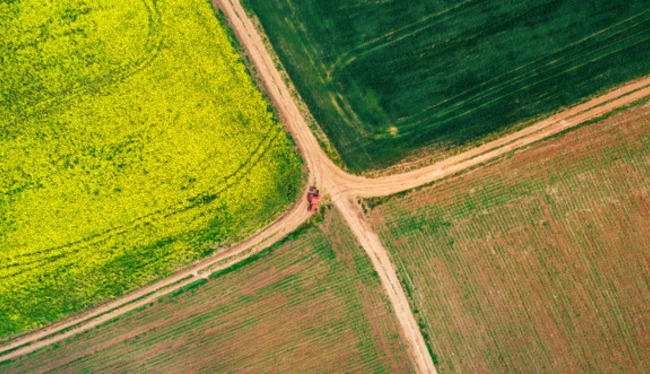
{"x": 312, "y": 304}
{"x": 536, "y": 262}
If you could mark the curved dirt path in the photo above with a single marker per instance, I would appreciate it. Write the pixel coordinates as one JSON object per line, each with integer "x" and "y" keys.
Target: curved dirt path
{"x": 78, "y": 323}
{"x": 344, "y": 189}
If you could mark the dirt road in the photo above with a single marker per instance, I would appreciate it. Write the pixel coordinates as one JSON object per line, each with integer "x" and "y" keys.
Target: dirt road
{"x": 344, "y": 189}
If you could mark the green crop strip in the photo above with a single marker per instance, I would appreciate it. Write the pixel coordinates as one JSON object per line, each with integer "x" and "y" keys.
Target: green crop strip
{"x": 385, "y": 79}
{"x": 132, "y": 141}
{"x": 298, "y": 310}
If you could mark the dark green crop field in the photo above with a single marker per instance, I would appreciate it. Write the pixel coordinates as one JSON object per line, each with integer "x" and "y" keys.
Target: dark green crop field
{"x": 387, "y": 78}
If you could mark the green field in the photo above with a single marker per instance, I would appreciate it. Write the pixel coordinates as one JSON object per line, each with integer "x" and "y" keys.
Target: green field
{"x": 310, "y": 304}
{"x": 132, "y": 141}
{"x": 392, "y": 79}
{"x": 537, "y": 262}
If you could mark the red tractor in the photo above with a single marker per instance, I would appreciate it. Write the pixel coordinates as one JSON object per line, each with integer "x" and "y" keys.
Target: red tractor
{"x": 314, "y": 198}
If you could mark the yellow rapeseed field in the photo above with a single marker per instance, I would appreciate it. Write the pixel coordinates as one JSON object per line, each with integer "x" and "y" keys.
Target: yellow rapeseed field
{"x": 132, "y": 141}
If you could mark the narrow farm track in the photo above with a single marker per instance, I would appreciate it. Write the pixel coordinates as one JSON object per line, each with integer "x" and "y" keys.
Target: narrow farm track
{"x": 344, "y": 189}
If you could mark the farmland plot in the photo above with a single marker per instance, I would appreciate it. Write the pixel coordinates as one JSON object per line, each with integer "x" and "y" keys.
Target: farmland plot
{"x": 537, "y": 262}
{"x": 132, "y": 141}
{"x": 310, "y": 304}
{"x": 389, "y": 80}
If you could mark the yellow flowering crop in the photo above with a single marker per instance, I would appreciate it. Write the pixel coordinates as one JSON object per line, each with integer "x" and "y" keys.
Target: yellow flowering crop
{"x": 132, "y": 141}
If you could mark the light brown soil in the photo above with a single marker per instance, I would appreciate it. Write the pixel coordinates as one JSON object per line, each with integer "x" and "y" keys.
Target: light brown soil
{"x": 344, "y": 189}
{"x": 536, "y": 262}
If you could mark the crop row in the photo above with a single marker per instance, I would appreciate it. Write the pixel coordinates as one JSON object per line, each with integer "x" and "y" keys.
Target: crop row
{"x": 312, "y": 304}
{"x": 537, "y": 261}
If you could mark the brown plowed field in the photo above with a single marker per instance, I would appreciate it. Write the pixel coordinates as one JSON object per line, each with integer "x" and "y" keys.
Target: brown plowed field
{"x": 538, "y": 261}
{"x": 311, "y": 304}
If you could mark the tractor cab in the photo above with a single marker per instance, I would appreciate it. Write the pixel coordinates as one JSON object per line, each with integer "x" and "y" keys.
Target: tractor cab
{"x": 313, "y": 196}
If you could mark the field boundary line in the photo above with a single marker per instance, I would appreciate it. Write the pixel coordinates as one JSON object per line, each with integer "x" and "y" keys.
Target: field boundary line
{"x": 617, "y": 98}
{"x": 380, "y": 259}
{"x": 31, "y": 341}
{"x": 561, "y": 121}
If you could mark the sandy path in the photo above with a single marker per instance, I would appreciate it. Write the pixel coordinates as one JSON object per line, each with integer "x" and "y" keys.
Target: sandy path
{"x": 360, "y": 226}
{"x": 344, "y": 189}
{"x": 330, "y": 178}
{"x": 594, "y": 108}
{"x": 286, "y": 224}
